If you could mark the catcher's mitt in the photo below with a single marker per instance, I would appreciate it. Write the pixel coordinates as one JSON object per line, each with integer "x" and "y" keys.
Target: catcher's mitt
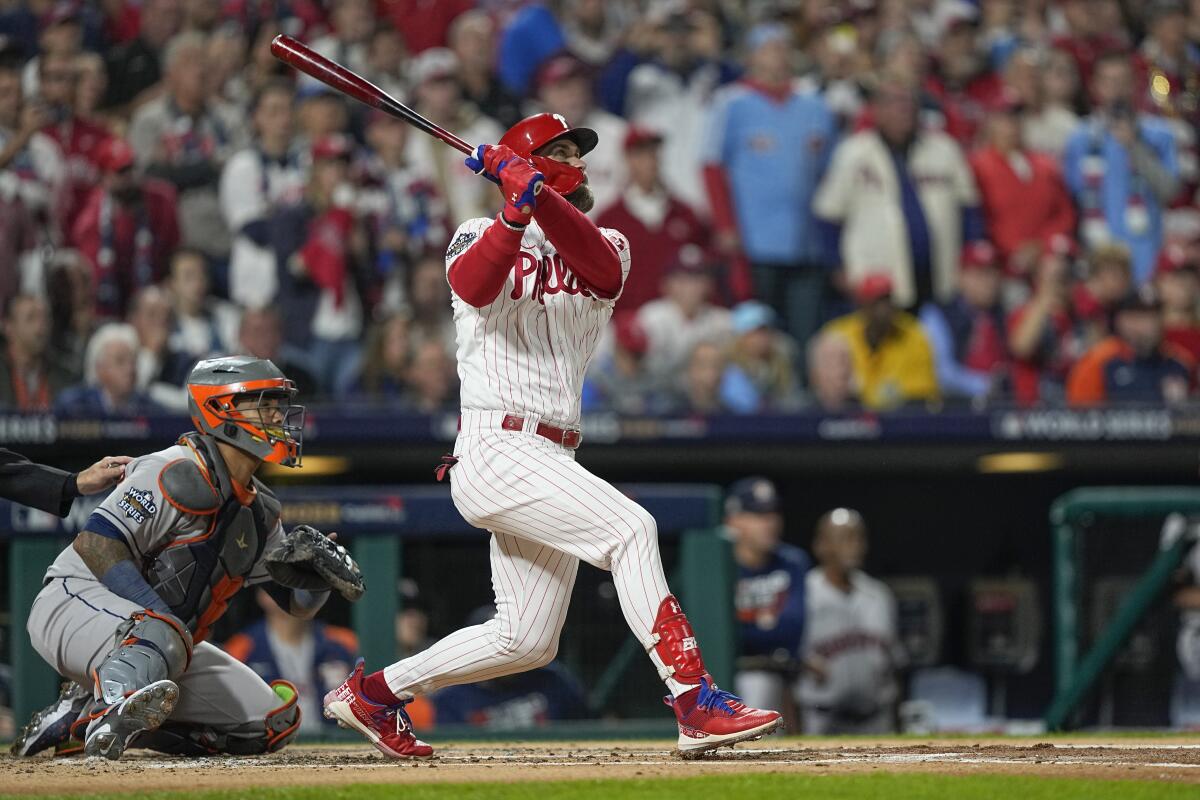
{"x": 305, "y": 558}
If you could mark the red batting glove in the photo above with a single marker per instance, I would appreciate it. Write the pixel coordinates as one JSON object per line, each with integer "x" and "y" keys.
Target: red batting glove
{"x": 519, "y": 183}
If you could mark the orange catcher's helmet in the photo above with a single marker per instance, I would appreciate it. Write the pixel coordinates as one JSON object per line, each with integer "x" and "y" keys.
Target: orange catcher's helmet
{"x": 533, "y": 133}
{"x": 271, "y": 429}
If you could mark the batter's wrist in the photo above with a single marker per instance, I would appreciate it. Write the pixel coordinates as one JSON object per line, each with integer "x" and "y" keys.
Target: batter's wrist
{"x": 512, "y": 226}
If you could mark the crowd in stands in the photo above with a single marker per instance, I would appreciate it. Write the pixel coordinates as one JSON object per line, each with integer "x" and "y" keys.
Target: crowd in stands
{"x": 833, "y": 205}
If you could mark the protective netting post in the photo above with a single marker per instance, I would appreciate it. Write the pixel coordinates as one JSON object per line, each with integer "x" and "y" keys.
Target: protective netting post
{"x": 34, "y": 683}
{"x": 706, "y": 590}
{"x": 375, "y": 614}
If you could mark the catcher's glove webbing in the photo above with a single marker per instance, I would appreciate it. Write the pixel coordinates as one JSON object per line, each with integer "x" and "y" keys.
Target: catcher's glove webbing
{"x": 306, "y": 559}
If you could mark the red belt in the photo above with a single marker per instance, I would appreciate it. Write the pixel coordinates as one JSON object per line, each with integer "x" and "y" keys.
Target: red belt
{"x": 567, "y": 438}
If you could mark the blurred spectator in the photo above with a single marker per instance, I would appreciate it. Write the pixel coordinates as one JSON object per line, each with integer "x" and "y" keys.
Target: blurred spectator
{"x": 1046, "y": 85}
{"x": 851, "y": 641}
{"x": 893, "y": 362}
{"x": 110, "y": 378}
{"x": 320, "y": 113}
{"x": 201, "y": 325}
{"x": 134, "y": 67}
{"x": 522, "y": 700}
{"x": 967, "y": 334}
{"x": 226, "y": 58}
{"x": 656, "y": 223}
{"x": 683, "y": 316}
{"x": 423, "y": 23}
{"x": 91, "y": 82}
{"x": 385, "y": 361}
{"x": 565, "y": 88}
{"x": 158, "y": 373}
{"x": 767, "y": 144}
{"x": 60, "y": 37}
{"x": 1045, "y": 337}
{"x": 127, "y": 229}
{"x": 594, "y": 29}
{"x": 1171, "y": 61}
{"x": 79, "y": 140}
{"x": 351, "y": 23}
{"x": 406, "y": 216}
{"x": 319, "y": 250}
{"x": 69, "y": 291}
{"x": 672, "y": 94}
{"x": 32, "y": 377}
{"x": 761, "y": 375}
{"x": 902, "y": 198}
{"x": 531, "y": 36}
{"x": 1177, "y": 280}
{"x": 1121, "y": 167}
{"x": 961, "y": 81}
{"x": 255, "y": 183}
{"x": 473, "y": 39}
{"x": 439, "y": 98}
{"x": 201, "y": 15}
{"x": 831, "y": 372}
{"x": 1025, "y": 201}
{"x": 837, "y": 61}
{"x": 430, "y": 385}
{"x": 699, "y": 392}
{"x": 1134, "y": 365}
{"x": 184, "y": 137}
{"x": 386, "y": 61}
{"x": 1108, "y": 281}
{"x": 260, "y": 334}
{"x": 618, "y": 380}
{"x": 428, "y": 301}
{"x": 412, "y": 620}
{"x": 769, "y": 598}
{"x": 1087, "y": 39}
{"x": 32, "y": 175}
{"x": 313, "y": 656}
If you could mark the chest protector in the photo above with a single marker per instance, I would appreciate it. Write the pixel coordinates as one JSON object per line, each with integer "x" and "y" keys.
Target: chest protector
{"x": 196, "y": 576}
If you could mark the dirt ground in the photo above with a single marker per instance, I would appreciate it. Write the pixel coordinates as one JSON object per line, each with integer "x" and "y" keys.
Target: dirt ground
{"x": 1153, "y": 758}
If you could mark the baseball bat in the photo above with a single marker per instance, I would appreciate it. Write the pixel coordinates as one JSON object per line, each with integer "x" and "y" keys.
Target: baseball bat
{"x": 299, "y": 55}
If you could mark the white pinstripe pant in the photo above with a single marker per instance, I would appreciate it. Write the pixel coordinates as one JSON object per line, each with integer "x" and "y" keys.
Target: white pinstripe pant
{"x": 546, "y": 514}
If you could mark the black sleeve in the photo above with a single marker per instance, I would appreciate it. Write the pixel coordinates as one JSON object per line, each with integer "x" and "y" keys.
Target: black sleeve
{"x": 46, "y": 488}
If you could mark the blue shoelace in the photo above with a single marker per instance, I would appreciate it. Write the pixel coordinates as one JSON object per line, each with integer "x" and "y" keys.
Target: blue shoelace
{"x": 712, "y": 698}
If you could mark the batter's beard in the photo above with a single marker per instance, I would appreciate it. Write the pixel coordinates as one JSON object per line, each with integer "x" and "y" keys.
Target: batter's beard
{"x": 582, "y": 198}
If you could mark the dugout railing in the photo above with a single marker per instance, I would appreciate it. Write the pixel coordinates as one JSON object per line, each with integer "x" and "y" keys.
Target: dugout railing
{"x": 379, "y": 521}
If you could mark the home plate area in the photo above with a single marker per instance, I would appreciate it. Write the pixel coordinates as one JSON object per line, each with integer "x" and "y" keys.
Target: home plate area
{"x": 1175, "y": 759}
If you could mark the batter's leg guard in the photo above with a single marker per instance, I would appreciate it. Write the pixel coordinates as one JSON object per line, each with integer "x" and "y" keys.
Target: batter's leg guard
{"x": 253, "y": 738}
{"x": 135, "y": 690}
{"x": 674, "y": 641}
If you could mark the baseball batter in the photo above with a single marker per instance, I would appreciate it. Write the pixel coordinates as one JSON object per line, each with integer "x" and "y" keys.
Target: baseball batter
{"x": 126, "y": 608}
{"x": 532, "y": 290}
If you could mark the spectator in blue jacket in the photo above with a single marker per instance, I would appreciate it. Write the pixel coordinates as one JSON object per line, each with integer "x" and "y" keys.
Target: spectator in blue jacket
{"x": 1122, "y": 168}
{"x": 767, "y": 145}
{"x": 770, "y": 592}
{"x": 313, "y": 656}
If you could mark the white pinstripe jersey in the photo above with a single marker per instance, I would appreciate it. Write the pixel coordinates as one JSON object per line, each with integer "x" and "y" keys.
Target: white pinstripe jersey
{"x": 529, "y": 349}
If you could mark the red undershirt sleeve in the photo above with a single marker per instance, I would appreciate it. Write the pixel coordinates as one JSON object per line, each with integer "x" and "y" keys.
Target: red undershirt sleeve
{"x": 478, "y": 275}
{"x": 589, "y": 254}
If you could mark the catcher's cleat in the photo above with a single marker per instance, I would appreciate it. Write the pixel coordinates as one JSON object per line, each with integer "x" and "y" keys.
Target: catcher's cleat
{"x": 112, "y": 730}
{"x": 710, "y": 718}
{"x": 51, "y": 727}
{"x": 387, "y": 727}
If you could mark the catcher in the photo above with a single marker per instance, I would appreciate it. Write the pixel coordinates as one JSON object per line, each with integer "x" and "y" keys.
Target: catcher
{"x": 126, "y": 609}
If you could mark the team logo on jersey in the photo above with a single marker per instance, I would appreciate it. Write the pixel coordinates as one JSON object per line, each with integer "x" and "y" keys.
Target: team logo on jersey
{"x": 138, "y": 505}
{"x": 460, "y": 243}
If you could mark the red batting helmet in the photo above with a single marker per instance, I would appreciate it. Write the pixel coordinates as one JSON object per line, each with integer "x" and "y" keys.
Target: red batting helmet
{"x": 533, "y": 133}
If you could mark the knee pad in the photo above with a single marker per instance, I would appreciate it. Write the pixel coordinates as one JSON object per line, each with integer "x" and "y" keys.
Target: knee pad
{"x": 151, "y": 648}
{"x": 267, "y": 735}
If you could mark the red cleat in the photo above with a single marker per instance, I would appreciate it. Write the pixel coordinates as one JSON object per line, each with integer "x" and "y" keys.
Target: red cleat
{"x": 710, "y": 718}
{"x": 387, "y": 727}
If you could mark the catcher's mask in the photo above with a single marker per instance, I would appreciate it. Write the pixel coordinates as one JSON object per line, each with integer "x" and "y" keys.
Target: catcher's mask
{"x": 271, "y": 428}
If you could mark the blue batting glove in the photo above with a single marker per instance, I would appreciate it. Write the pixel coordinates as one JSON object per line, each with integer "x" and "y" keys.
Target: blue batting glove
{"x": 475, "y": 163}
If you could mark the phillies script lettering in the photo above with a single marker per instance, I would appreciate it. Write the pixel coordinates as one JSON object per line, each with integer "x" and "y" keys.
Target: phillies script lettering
{"x": 549, "y": 276}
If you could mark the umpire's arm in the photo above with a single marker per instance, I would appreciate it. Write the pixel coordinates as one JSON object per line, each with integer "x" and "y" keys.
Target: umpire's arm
{"x": 54, "y": 490}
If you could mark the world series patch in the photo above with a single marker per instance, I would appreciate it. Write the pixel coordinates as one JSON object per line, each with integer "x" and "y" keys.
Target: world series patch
{"x": 460, "y": 243}
{"x": 138, "y": 505}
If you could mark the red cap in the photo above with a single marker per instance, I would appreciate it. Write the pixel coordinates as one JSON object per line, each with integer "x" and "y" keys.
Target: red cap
{"x": 1006, "y": 102}
{"x": 978, "y": 254}
{"x": 873, "y": 287}
{"x": 639, "y": 135}
{"x": 1172, "y": 258}
{"x": 560, "y": 68}
{"x": 60, "y": 12}
{"x": 114, "y": 155}
{"x": 1060, "y": 244}
{"x": 630, "y": 334}
{"x": 333, "y": 146}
